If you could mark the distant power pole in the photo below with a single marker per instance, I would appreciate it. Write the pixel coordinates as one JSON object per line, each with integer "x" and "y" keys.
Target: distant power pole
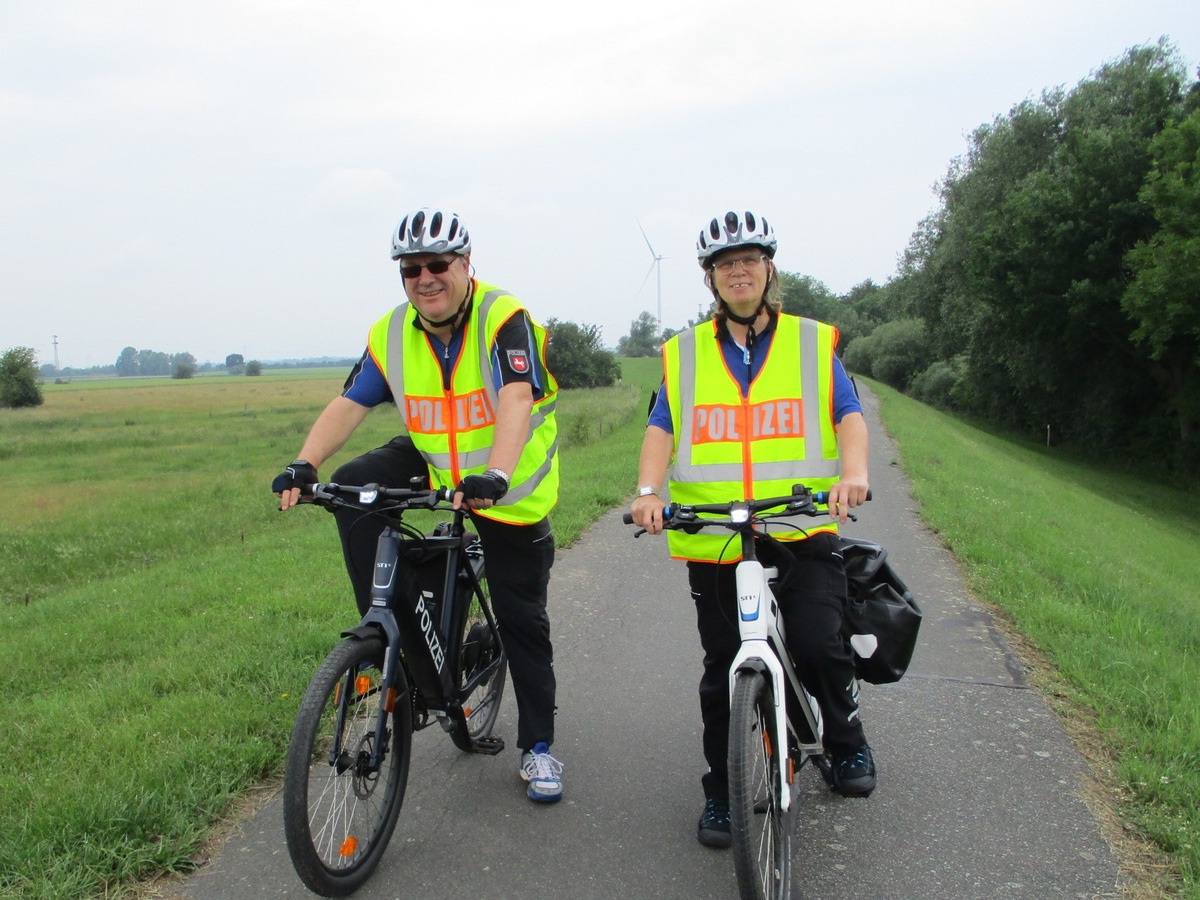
{"x": 56, "y": 354}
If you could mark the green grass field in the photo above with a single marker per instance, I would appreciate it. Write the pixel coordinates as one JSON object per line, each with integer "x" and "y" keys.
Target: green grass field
{"x": 161, "y": 618}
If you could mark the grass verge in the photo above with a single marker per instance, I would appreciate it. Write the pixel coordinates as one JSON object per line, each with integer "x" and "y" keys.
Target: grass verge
{"x": 1098, "y": 570}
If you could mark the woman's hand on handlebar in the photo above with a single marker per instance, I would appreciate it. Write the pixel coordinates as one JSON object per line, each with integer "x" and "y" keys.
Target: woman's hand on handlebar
{"x": 647, "y": 512}
{"x": 846, "y": 494}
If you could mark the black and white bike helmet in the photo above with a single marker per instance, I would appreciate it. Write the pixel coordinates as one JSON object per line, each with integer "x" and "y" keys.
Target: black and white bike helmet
{"x": 430, "y": 231}
{"x": 735, "y": 230}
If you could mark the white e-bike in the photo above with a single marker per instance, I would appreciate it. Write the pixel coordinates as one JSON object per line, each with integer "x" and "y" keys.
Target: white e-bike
{"x": 774, "y": 723}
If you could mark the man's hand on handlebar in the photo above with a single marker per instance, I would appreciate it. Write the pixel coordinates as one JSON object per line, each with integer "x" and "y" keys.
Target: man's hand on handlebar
{"x": 845, "y": 495}
{"x": 480, "y": 491}
{"x": 647, "y": 512}
{"x": 288, "y": 484}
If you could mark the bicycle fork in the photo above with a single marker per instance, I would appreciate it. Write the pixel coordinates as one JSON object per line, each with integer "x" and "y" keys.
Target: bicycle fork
{"x": 758, "y": 624}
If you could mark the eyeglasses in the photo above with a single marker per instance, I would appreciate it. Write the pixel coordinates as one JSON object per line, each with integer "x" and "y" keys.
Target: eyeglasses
{"x": 746, "y": 262}
{"x": 434, "y": 266}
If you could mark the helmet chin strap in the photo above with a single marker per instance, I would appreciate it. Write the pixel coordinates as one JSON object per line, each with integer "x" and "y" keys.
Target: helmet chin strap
{"x": 451, "y": 318}
{"x": 743, "y": 320}
{"x": 432, "y": 324}
{"x": 748, "y": 321}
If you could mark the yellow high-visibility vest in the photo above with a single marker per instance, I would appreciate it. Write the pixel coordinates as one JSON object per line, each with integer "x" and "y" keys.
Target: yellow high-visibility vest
{"x": 454, "y": 428}
{"x": 729, "y": 447}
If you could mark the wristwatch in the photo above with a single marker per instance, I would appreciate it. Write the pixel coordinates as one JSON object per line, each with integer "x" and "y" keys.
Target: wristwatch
{"x": 646, "y": 490}
{"x": 500, "y": 472}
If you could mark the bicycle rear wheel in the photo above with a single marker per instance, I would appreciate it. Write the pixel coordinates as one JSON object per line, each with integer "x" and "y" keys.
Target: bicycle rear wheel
{"x": 339, "y": 811}
{"x": 762, "y": 831}
{"x": 483, "y": 667}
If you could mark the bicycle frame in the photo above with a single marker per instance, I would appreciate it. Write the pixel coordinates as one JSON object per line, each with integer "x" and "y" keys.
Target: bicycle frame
{"x": 429, "y": 662}
{"x": 761, "y": 628}
{"x": 760, "y": 623}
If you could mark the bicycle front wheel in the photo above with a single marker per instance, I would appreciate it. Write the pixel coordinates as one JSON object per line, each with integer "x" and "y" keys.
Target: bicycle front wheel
{"x": 762, "y": 831}
{"x": 483, "y": 667}
{"x": 339, "y": 804}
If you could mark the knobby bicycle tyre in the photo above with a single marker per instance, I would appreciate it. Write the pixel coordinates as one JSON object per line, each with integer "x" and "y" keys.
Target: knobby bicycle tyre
{"x": 762, "y": 831}
{"x": 482, "y": 659}
{"x": 339, "y": 814}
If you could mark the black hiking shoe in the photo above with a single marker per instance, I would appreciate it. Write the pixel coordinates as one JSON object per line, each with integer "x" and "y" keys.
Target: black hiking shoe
{"x": 854, "y": 773}
{"x": 713, "y": 830}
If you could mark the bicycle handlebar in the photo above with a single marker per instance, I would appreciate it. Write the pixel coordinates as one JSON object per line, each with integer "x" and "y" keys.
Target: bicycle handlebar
{"x": 801, "y": 501}
{"x": 375, "y": 496}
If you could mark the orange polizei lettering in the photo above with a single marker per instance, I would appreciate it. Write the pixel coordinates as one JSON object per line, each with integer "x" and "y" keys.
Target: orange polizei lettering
{"x": 716, "y": 423}
{"x": 473, "y": 411}
{"x": 426, "y": 415}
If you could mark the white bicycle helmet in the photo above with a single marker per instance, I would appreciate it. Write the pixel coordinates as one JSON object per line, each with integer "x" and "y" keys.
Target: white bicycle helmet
{"x": 430, "y": 231}
{"x": 735, "y": 230}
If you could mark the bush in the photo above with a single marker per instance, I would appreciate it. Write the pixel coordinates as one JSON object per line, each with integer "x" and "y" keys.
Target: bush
{"x": 894, "y": 353}
{"x": 19, "y": 382}
{"x": 576, "y": 358}
{"x": 936, "y": 385}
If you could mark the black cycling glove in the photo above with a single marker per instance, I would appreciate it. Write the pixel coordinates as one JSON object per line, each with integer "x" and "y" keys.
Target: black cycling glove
{"x": 491, "y": 485}
{"x": 298, "y": 474}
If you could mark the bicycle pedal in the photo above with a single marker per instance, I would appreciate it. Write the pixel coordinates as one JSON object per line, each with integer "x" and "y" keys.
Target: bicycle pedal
{"x": 488, "y": 746}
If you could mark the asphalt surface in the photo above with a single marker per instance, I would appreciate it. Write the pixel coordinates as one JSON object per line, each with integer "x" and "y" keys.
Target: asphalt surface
{"x": 979, "y": 790}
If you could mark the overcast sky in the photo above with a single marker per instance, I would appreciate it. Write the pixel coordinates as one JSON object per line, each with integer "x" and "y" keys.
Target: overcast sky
{"x": 223, "y": 176}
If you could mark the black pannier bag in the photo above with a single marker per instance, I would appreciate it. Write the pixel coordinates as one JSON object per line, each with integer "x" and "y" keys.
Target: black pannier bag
{"x": 882, "y": 618}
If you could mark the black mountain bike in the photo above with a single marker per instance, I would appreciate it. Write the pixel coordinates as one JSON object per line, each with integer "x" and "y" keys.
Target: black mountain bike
{"x": 428, "y": 650}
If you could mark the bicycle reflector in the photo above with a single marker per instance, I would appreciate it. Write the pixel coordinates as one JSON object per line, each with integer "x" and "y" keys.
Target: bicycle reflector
{"x": 349, "y": 845}
{"x": 362, "y": 684}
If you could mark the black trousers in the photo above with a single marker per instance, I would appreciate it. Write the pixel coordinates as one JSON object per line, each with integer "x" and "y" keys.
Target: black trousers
{"x": 812, "y": 594}
{"x": 518, "y": 560}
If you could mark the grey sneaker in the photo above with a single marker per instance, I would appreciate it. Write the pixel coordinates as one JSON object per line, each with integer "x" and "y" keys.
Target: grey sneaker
{"x": 543, "y": 772}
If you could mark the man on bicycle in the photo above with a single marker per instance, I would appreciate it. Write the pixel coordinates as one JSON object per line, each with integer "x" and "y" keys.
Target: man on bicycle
{"x": 465, "y": 365}
{"x": 752, "y": 402}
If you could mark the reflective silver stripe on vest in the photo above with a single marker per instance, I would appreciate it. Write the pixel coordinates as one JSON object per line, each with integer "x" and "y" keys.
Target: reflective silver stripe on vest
{"x": 529, "y": 485}
{"x": 485, "y": 350}
{"x": 469, "y": 460}
{"x": 395, "y": 357}
{"x": 814, "y": 465}
{"x": 683, "y": 470}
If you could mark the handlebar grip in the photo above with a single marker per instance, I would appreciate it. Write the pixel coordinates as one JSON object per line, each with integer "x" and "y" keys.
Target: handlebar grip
{"x": 627, "y": 518}
{"x": 822, "y": 497}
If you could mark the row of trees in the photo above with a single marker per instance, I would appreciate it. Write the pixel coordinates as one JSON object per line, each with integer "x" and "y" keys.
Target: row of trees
{"x": 132, "y": 361}
{"x": 1058, "y": 285}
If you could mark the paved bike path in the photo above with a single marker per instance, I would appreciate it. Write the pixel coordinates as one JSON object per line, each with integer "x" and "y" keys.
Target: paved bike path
{"x": 979, "y": 793}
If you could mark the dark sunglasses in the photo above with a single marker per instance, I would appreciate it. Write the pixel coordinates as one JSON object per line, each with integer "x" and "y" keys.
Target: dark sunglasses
{"x": 435, "y": 267}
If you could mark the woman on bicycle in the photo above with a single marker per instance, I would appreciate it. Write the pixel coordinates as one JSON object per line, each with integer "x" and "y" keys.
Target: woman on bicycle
{"x": 753, "y": 401}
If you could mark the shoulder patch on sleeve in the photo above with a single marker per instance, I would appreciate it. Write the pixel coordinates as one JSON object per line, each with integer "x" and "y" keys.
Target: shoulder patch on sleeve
{"x": 518, "y": 361}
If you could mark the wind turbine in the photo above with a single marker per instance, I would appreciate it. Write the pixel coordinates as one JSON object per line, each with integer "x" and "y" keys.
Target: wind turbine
{"x": 655, "y": 265}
